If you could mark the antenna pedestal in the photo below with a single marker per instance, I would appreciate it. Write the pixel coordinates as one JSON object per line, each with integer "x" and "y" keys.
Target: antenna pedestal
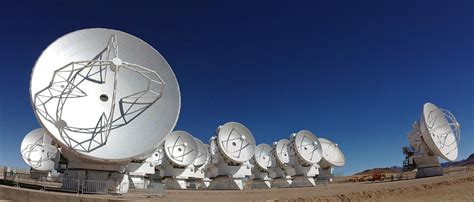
{"x": 429, "y": 172}
{"x": 173, "y": 176}
{"x": 180, "y": 177}
{"x": 262, "y": 179}
{"x": 305, "y": 175}
{"x": 228, "y": 182}
{"x": 41, "y": 175}
{"x": 87, "y": 171}
{"x": 426, "y": 162}
{"x": 262, "y": 184}
{"x": 199, "y": 183}
{"x": 303, "y": 181}
{"x": 226, "y": 174}
{"x": 199, "y": 180}
{"x": 139, "y": 173}
{"x": 115, "y": 182}
{"x": 283, "y": 182}
{"x": 325, "y": 174}
{"x": 175, "y": 183}
{"x": 283, "y": 176}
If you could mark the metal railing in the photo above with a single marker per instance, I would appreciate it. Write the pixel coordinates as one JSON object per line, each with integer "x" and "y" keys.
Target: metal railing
{"x": 41, "y": 182}
{"x": 99, "y": 187}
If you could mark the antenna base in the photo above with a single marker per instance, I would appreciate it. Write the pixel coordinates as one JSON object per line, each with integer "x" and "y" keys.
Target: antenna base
{"x": 282, "y": 182}
{"x": 261, "y": 184}
{"x": 303, "y": 181}
{"x": 325, "y": 175}
{"x": 225, "y": 182}
{"x": 429, "y": 172}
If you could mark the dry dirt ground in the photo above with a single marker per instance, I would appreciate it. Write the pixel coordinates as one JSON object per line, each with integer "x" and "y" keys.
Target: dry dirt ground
{"x": 452, "y": 187}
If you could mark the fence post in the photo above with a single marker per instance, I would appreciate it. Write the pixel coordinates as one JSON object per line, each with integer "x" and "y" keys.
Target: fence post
{"x": 15, "y": 179}
{"x": 78, "y": 182}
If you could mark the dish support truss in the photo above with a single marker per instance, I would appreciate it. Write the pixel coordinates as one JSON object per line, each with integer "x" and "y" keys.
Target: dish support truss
{"x": 235, "y": 144}
{"x": 442, "y": 137}
{"x": 66, "y": 85}
{"x": 179, "y": 149}
{"x": 302, "y": 147}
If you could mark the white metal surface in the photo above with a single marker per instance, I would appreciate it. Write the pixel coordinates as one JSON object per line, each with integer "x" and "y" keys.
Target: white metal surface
{"x": 203, "y": 155}
{"x": 181, "y": 148}
{"x": 307, "y": 147}
{"x": 262, "y": 156}
{"x": 440, "y": 131}
{"x": 37, "y": 150}
{"x": 282, "y": 151}
{"x": 331, "y": 153}
{"x": 105, "y": 94}
{"x": 236, "y": 142}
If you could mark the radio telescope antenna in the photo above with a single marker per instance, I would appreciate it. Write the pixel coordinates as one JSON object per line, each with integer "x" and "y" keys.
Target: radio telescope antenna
{"x": 181, "y": 148}
{"x": 178, "y": 167}
{"x": 282, "y": 151}
{"x": 308, "y": 152}
{"x": 236, "y": 142}
{"x": 307, "y": 147}
{"x": 262, "y": 169}
{"x": 262, "y": 156}
{"x": 283, "y": 167}
{"x": 106, "y": 98}
{"x": 200, "y": 166}
{"x": 331, "y": 156}
{"x": 37, "y": 150}
{"x": 105, "y": 94}
{"x": 436, "y": 134}
{"x": 231, "y": 151}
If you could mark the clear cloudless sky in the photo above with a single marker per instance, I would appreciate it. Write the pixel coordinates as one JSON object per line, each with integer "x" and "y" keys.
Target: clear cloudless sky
{"x": 357, "y": 73}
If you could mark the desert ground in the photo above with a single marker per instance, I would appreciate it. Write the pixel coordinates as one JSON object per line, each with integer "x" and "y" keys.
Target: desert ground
{"x": 455, "y": 186}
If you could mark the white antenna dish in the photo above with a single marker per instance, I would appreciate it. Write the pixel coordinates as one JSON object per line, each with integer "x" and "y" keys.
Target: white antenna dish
{"x": 236, "y": 142}
{"x": 282, "y": 151}
{"x": 105, "y": 94}
{"x": 440, "y": 131}
{"x": 203, "y": 155}
{"x": 307, "y": 146}
{"x": 181, "y": 148}
{"x": 263, "y": 156}
{"x": 37, "y": 150}
{"x": 332, "y": 154}
{"x": 436, "y": 135}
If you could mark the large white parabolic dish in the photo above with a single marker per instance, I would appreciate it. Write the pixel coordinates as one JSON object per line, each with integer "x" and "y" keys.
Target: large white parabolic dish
{"x": 332, "y": 154}
{"x": 37, "y": 150}
{"x": 282, "y": 151}
{"x": 236, "y": 142}
{"x": 263, "y": 156}
{"x": 203, "y": 155}
{"x": 307, "y": 147}
{"x": 440, "y": 131}
{"x": 181, "y": 148}
{"x": 105, "y": 94}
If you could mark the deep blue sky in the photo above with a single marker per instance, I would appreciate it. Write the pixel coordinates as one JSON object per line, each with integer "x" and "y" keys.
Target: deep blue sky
{"x": 355, "y": 73}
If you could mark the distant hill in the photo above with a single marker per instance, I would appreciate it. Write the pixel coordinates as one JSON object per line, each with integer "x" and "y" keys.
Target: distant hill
{"x": 393, "y": 169}
{"x": 464, "y": 162}
{"x": 397, "y": 169}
